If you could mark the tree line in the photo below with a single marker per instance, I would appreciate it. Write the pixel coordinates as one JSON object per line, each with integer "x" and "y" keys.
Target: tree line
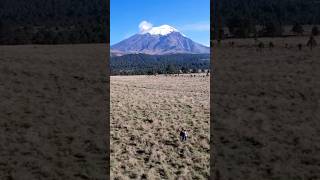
{"x": 83, "y": 21}
{"x": 53, "y": 21}
{"x": 261, "y": 18}
{"x": 143, "y": 64}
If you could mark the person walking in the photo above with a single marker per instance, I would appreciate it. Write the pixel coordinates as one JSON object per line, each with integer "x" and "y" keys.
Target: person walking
{"x": 183, "y": 135}
{"x": 312, "y": 42}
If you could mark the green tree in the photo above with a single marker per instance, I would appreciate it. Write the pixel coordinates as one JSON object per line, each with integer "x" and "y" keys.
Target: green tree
{"x": 298, "y": 29}
{"x": 315, "y": 31}
{"x": 184, "y": 69}
{"x": 241, "y": 27}
{"x": 272, "y": 29}
{"x": 194, "y": 70}
{"x": 171, "y": 69}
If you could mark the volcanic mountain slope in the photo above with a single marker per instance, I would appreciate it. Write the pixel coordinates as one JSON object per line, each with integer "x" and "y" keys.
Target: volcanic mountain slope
{"x": 158, "y": 41}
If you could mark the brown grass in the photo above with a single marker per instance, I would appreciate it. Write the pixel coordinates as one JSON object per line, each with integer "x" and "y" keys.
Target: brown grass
{"x": 266, "y": 110}
{"x": 146, "y": 115}
{"x": 52, "y": 112}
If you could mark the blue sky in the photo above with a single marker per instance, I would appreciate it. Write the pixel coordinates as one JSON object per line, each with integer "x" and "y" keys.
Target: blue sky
{"x": 191, "y": 17}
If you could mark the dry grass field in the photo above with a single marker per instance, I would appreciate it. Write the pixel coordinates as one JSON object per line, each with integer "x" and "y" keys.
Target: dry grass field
{"x": 146, "y": 115}
{"x": 266, "y": 108}
{"x": 53, "y": 122}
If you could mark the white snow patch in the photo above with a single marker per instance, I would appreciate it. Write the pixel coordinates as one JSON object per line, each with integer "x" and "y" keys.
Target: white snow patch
{"x": 162, "y": 30}
{"x": 146, "y": 27}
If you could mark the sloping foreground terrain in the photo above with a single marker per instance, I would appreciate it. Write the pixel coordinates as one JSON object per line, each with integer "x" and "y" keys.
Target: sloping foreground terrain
{"x": 52, "y": 112}
{"x": 146, "y": 115}
{"x": 267, "y": 111}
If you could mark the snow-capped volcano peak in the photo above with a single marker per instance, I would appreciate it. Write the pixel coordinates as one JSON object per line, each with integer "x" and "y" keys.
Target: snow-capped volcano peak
{"x": 158, "y": 40}
{"x": 160, "y": 30}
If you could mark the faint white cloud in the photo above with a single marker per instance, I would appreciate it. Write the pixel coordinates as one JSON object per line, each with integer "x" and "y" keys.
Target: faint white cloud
{"x": 199, "y": 26}
{"x": 145, "y": 26}
{"x": 127, "y": 35}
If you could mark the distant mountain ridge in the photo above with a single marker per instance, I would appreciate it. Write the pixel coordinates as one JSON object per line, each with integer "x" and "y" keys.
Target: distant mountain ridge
{"x": 159, "y": 41}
